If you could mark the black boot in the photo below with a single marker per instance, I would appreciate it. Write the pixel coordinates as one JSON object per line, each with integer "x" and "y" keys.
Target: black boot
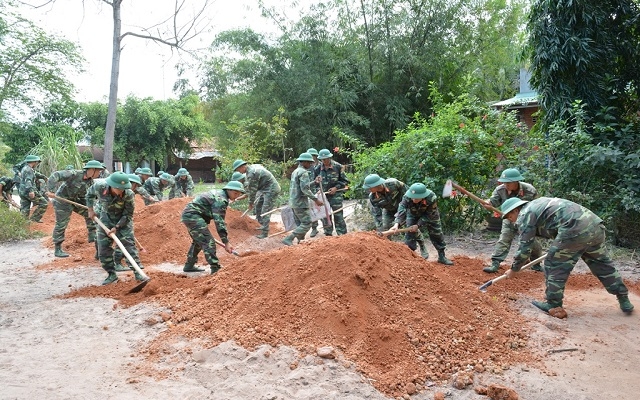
{"x": 59, "y": 252}
{"x": 190, "y": 265}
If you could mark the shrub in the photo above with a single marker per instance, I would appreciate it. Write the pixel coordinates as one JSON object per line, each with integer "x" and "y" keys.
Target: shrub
{"x": 14, "y": 226}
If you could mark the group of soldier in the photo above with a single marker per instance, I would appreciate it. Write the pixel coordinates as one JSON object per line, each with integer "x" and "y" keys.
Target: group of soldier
{"x": 575, "y": 231}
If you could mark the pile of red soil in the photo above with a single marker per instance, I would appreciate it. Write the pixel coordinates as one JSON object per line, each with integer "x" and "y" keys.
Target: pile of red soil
{"x": 400, "y": 319}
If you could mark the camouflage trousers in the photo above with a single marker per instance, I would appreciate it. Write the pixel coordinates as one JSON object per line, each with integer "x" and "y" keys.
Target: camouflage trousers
{"x": 302, "y": 216}
{"x": 265, "y": 203}
{"x": 507, "y": 234}
{"x": 63, "y": 216}
{"x": 201, "y": 238}
{"x": 105, "y": 244}
{"x": 563, "y": 256}
{"x": 434, "y": 228}
{"x": 386, "y": 221}
{"x": 336, "y": 203}
{"x": 118, "y": 255}
{"x": 40, "y": 204}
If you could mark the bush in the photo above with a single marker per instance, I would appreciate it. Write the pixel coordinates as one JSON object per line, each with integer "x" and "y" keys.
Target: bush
{"x": 14, "y": 226}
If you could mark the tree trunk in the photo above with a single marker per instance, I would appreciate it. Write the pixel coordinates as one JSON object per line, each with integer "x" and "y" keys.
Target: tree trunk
{"x": 109, "y": 131}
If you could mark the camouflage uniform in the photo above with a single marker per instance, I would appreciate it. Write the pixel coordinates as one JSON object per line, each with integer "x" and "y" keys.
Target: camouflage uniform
{"x": 154, "y": 188}
{"x": 333, "y": 176}
{"x": 182, "y": 187}
{"x": 384, "y": 205}
{"x": 299, "y": 195}
{"x": 74, "y": 187}
{"x": 115, "y": 211}
{"x": 259, "y": 179}
{"x": 423, "y": 213}
{"x": 577, "y": 233}
{"x": 7, "y": 189}
{"x": 509, "y": 230}
{"x": 196, "y": 216}
{"x": 28, "y": 185}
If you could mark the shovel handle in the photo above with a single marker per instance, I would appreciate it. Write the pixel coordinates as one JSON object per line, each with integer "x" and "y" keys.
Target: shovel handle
{"x": 219, "y": 243}
{"x": 121, "y": 246}
{"x": 272, "y": 211}
{"x": 484, "y": 286}
{"x": 390, "y": 232}
{"x": 70, "y": 202}
{"x": 476, "y": 198}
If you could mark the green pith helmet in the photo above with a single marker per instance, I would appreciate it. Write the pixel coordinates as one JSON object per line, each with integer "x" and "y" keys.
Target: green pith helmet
{"x": 511, "y": 204}
{"x": 312, "y": 151}
{"x": 234, "y": 185}
{"x": 31, "y": 158}
{"x": 324, "y": 153}
{"x": 69, "y": 167}
{"x": 305, "y": 157}
{"x": 137, "y": 171}
{"x": 182, "y": 172}
{"x": 238, "y": 163}
{"x": 146, "y": 171}
{"x": 133, "y": 178}
{"x": 510, "y": 175}
{"x": 160, "y": 172}
{"x": 238, "y": 176}
{"x": 417, "y": 191}
{"x": 165, "y": 177}
{"x": 372, "y": 181}
{"x": 93, "y": 164}
{"x": 119, "y": 180}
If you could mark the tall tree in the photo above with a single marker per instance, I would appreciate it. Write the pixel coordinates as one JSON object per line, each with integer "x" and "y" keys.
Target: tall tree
{"x": 588, "y": 51}
{"x": 34, "y": 65}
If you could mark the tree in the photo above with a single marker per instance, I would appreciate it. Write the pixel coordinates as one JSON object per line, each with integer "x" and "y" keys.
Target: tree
{"x": 585, "y": 51}
{"x": 34, "y": 65}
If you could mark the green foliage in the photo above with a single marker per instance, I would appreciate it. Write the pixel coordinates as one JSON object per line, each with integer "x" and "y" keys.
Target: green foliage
{"x": 584, "y": 50}
{"x": 57, "y": 147}
{"x": 14, "y": 226}
{"x": 464, "y": 140}
{"x": 34, "y": 65}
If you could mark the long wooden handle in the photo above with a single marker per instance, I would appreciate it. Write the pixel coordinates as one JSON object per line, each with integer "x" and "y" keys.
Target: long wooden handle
{"x": 390, "y": 232}
{"x": 272, "y": 211}
{"x": 476, "y": 198}
{"x": 121, "y": 246}
{"x": 70, "y": 202}
{"x": 219, "y": 243}
{"x": 484, "y": 286}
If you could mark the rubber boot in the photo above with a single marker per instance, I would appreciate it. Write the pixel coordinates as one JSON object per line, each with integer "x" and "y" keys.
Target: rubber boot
{"x": 625, "y": 304}
{"x": 137, "y": 276}
{"x": 215, "y": 268}
{"x": 120, "y": 268}
{"x": 536, "y": 267}
{"x": 59, "y": 252}
{"x": 190, "y": 265}
{"x": 442, "y": 259}
{"x": 263, "y": 235}
{"x": 314, "y": 232}
{"x": 423, "y": 249}
{"x": 546, "y": 305}
{"x": 493, "y": 268}
{"x": 112, "y": 277}
{"x": 289, "y": 240}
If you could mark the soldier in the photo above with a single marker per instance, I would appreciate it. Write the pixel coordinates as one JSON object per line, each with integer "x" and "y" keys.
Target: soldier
{"x": 211, "y": 205}
{"x": 385, "y": 197}
{"x": 29, "y": 192}
{"x": 74, "y": 187}
{"x": 242, "y": 178}
{"x": 116, "y": 213}
{"x": 576, "y": 232}
{"x": 105, "y": 172}
{"x": 511, "y": 187}
{"x": 156, "y": 186}
{"x": 314, "y": 187}
{"x": 183, "y": 185}
{"x": 418, "y": 208}
{"x": 331, "y": 175}
{"x": 6, "y": 188}
{"x": 263, "y": 181}
{"x": 299, "y": 195}
{"x": 144, "y": 173}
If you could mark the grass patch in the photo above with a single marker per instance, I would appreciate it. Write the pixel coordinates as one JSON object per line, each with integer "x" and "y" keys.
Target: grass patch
{"x": 14, "y": 226}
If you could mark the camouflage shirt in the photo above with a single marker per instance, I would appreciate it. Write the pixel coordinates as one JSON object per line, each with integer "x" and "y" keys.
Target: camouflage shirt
{"x": 332, "y": 177}
{"x": 259, "y": 179}
{"x": 300, "y": 189}
{"x": 74, "y": 186}
{"x": 114, "y": 210}
{"x": 185, "y": 186}
{"x": 27, "y": 181}
{"x": 7, "y": 186}
{"x": 553, "y": 218}
{"x": 500, "y": 194}
{"x": 154, "y": 187}
{"x": 211, "y": 205}
{"x": 389, "y": 199}
{"x": 417, "y": 210}
{"x": 143, "y": 193}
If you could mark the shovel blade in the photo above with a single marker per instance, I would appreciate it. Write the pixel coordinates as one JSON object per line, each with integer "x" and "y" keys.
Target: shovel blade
{"x": 139, "y": 286}
{"x": 448, "y": 188}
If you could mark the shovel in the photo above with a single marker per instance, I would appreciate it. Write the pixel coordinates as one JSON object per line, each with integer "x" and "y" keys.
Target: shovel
{"x": 483, "y": 288}
{"x": 235, "y": 253}
{"x": 446, "y": 192}
{"x": 390, "y": 232}
{"x": 145, "y": 278}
